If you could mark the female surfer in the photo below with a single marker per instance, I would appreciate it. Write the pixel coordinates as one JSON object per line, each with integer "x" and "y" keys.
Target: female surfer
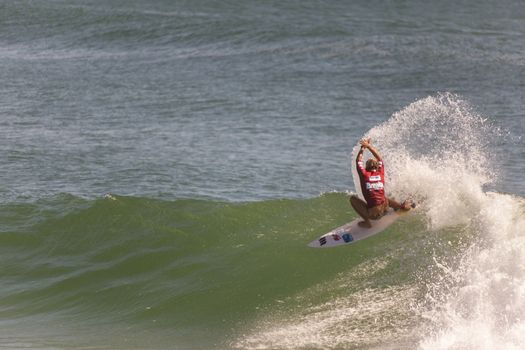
{"x": 372, "y": 180}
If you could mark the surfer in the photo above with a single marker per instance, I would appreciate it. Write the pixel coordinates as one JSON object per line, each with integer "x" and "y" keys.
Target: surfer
{"x": 372, "y": 179}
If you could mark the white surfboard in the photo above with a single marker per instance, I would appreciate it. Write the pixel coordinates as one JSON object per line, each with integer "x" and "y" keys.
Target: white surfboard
{"x": 352, "y": 232}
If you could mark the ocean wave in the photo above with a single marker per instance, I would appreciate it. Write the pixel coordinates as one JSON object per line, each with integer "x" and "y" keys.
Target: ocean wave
{"x": 149, "y": 263}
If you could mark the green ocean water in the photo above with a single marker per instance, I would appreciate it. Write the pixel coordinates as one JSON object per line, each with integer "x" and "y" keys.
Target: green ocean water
{"x": 118, "y": 272}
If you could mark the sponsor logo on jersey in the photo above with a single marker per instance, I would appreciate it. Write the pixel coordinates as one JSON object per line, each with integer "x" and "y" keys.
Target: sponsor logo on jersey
{"x": 374, "y": 186}
{"x": 375, "y": 178}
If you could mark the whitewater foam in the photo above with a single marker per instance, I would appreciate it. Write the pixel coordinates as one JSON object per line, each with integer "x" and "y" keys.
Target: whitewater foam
{"x": 436, "y": 151}
{"x": 480, "y": 303}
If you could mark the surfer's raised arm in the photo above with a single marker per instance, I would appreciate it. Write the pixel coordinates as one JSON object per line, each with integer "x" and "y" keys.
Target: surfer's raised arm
{"x": 364, "y": 145}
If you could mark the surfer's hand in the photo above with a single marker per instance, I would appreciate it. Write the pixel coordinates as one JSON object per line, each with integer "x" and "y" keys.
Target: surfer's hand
{"x": 365, "y": 142}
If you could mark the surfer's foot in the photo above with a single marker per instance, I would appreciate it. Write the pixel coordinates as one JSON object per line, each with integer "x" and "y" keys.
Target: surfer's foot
{"x": 407, "y": 205}
{"x": 365, "y": 224}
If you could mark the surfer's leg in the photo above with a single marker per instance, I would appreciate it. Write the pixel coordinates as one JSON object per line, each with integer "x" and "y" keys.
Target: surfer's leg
{"x": 394, "y": 204}
{"x": 406, "y": 205}
{"x": 361, "y": 208}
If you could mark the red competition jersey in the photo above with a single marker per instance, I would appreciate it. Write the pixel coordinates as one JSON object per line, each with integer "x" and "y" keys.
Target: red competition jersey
{"x": 372, "y": 184}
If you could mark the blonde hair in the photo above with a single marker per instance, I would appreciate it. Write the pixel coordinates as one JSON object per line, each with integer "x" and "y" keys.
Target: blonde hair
{"x": 370, "y": 163}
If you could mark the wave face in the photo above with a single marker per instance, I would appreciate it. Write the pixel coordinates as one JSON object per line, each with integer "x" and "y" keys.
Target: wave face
{"x": 139, "y": 272}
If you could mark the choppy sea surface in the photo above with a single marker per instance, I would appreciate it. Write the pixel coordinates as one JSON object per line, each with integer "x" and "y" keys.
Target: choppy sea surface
{"x": 165, "y": 163}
